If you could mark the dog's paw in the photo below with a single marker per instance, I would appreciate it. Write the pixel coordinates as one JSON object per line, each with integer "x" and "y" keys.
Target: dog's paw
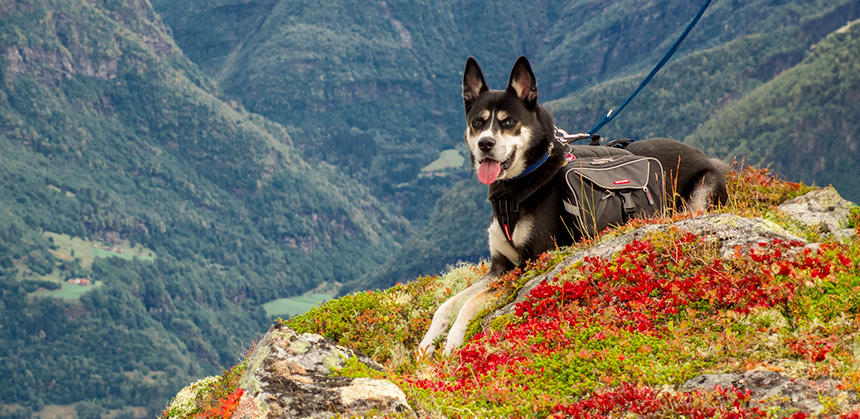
{"x": 451, "y": 344}
{"x": 470, "y": 309}
{"x": 439, "y": 325}
{"x": 428, "y": 345}
{"x": 463, "y": 306}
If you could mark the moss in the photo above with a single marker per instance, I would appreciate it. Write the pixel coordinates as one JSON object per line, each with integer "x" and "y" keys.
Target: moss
{"x": 853, "y": 220}
{"x": 354, "y": 368}
{"x": 335, "y": 360}
{"x": 299, "y": 346}
{"x": 254, "y": 363}
{"x": 187, "y": 401}
{"x": 205, "y": 394}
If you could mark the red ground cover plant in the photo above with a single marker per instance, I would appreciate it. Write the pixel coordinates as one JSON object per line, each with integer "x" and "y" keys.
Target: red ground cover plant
{"x": 225, "y": 407}
{"x": 645, "y": 401}
{"x": 605, "y": 332}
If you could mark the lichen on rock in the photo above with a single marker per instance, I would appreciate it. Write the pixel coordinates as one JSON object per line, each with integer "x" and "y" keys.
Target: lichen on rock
{"x": 822, "y": 210}
{"x": 295, "y": 375}
{"x": 773, "y": 388}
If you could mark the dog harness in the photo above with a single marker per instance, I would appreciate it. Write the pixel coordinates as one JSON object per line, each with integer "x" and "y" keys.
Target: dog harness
{"x": 507, "y": 195}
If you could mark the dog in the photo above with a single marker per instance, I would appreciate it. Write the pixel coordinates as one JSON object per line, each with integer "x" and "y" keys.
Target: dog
{"x": 514, "y": 150}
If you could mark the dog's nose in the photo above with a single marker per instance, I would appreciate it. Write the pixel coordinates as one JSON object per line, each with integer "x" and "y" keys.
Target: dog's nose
{"x": 486, "y": 144}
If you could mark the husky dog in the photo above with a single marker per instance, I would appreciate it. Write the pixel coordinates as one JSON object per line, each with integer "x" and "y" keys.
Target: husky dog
{"x": 514, "y": 150}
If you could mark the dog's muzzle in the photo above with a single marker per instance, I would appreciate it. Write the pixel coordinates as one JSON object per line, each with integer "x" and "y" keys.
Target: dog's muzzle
{"x": 486, "y": 144}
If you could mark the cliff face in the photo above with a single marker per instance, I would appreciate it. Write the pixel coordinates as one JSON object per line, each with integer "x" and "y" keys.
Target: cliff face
{"x": 750, "y": 310}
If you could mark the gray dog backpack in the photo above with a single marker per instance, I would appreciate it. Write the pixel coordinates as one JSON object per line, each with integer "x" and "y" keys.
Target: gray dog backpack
{"x": 609, "y": 190}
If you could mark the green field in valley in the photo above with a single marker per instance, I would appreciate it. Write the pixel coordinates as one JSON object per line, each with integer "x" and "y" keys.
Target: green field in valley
{"x": 70, "y": 248}
{"x": 448, "y": 159}
{"x": 70, "y": 291}
{"x": 293, "y": 306}
{"x": 75, "y": 260}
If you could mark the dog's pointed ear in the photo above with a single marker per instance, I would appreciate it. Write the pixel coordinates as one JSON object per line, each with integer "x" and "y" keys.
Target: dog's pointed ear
{"x": 473, "y": 82}
{"x": 523, "y": 83}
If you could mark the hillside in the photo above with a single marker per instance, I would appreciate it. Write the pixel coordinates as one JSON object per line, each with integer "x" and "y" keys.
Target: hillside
{"x": 169, "y": 170}
{"x": 748, "y": 312}
{"x": 123, "y": 165}
{"x": 803, "y": 121}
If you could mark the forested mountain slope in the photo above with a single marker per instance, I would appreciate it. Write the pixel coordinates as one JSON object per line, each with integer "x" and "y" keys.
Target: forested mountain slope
{"x": 805, "y": 122}
{"x": 115, "y": 145}
{"x": 375, "y": 87}
{"x": 194, "y": 159}
{"x": 691, "y": 90}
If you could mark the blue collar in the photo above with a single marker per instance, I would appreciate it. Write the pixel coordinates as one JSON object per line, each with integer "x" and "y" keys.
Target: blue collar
{"x": 533, "y": 166}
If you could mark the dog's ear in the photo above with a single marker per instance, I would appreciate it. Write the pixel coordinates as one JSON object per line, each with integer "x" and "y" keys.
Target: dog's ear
{"x": 523, "y": 83}
{"x": 473, "y": 83}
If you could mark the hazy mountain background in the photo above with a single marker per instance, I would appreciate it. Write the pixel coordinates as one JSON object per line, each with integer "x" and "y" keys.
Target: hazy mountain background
{"x": 197, "y": 159}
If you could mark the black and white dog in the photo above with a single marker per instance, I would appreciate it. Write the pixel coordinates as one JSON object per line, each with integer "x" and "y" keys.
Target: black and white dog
{"x": 514, "y": 150}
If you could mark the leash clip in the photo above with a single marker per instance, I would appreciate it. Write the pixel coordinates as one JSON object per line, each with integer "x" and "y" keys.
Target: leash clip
{"x": 563, "y": 137}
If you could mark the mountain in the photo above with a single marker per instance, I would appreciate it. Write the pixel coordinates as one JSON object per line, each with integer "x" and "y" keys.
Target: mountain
{"x": 184, "y": 162}
{"x": 803, "y": 122}
{"x": 375, "y": 87}
{"x": 689, "y": 94}
{"x": 124, "y": 166}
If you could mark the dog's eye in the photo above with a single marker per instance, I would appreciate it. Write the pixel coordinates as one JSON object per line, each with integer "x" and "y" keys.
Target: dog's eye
{"x": 508, "y": 123}
{"x": 477, "y": 123}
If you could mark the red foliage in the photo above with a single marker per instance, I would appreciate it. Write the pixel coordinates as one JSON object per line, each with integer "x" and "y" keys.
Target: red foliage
{"x": 812, "y": 348}
{"x": 226, "y": 406}
{"x": 646, "y": 401}
{"x": 643, "y": 290}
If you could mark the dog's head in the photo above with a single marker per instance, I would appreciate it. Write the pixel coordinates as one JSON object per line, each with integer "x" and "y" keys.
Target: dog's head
{"x": 505, "y": 129}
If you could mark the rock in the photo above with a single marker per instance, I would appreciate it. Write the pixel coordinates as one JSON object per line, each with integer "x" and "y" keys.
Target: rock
{"x": 289, "y": 375}
{"x": 770, "y": 388}
{"x": 822, "y": 210}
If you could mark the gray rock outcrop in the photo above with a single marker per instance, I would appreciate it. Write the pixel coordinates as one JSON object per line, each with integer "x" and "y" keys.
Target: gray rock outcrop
{"x": 290, "y": 375}
{"x": 772, "y": 388}
{"x": 823, "y": 211}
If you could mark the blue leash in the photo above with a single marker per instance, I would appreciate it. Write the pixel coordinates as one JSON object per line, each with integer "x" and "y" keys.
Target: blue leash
{"x": 612, "y": 114}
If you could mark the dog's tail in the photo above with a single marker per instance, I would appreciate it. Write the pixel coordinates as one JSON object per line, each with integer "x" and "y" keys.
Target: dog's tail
{"x": 721, "y": 166}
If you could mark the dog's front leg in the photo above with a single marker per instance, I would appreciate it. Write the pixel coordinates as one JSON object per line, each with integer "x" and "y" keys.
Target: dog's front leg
{"x": 470, "y": 309}
{"x": 476, "y": 301}
{"x": 446, "y": 312}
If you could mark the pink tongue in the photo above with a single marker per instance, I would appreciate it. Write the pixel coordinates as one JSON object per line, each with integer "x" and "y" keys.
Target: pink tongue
{"x": 489, "y": 171}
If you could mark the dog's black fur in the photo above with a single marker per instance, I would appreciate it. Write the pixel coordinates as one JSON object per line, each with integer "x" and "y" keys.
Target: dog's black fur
{"x": 687, "y": 169}
{"x": 693, "y": 180}
{"x": 507, "y": 132}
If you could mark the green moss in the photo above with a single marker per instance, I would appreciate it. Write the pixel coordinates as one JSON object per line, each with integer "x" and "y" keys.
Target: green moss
{"x": 853, "y": 220}
{"x": 354, "y": 368}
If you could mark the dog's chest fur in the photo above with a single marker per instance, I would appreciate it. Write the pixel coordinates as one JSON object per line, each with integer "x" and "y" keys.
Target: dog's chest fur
{"x": 539, "y": 222}
{"x": 521, "y": 235}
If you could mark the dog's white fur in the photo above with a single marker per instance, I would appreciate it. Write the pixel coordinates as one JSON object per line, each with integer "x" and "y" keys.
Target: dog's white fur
{"x": 463, "y": 303}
